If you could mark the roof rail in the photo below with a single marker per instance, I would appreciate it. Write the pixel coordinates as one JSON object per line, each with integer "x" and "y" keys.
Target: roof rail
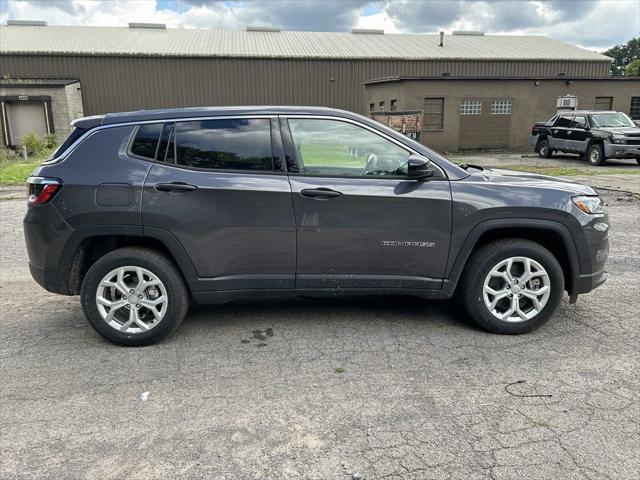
{"x": 160, "y": 26}
{"x": 260, "y": 28}
{"x": 371, "y": 31}
{"x": 27, "y": 23}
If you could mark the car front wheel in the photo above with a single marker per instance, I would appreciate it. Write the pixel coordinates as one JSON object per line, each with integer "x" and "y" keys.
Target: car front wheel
{"x": 595, "y": 154}
{"x": 134, "y": 296}
{"x": 512, "y": 286}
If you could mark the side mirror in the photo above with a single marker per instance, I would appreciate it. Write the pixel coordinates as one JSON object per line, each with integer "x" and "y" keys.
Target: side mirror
{"x": 419, "y": 167}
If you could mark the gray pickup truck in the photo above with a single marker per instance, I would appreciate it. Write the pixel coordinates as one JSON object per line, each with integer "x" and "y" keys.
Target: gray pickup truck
{"x": 597, "y": 135}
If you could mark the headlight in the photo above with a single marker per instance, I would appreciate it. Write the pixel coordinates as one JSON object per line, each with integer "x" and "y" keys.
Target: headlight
{"x": 589, "y": 205}
{"x": 618, "y": 138}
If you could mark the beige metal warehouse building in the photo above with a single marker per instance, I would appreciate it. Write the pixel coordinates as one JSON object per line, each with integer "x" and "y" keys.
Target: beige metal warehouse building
{"x": 149, "y": 66}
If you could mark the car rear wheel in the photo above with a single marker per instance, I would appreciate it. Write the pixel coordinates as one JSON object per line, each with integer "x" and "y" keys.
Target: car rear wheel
{"x": 512, "y": 286}
{"x": 544, "y": 150}
{"x": 134, "y": 296}
{"x": 595, "y": 154}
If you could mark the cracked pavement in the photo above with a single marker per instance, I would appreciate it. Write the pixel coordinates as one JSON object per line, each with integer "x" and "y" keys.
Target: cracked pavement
{"x": 359, "y": 388}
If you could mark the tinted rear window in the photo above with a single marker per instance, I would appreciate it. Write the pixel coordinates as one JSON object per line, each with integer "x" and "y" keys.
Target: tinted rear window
{"x": 75, "y": 134}
{"x": 563, "y": 121}
{"x": 146, "y": 141}
{"x": 236, "y": 144}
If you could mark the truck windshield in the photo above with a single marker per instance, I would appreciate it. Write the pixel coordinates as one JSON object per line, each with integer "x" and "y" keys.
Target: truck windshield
{"x": 617, "y": 119}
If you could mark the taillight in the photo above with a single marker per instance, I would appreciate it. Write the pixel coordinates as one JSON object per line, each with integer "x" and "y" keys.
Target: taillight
{"x": 42, "y": 189}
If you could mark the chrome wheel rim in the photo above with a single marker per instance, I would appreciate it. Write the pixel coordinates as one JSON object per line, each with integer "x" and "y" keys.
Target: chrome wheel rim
{"x": 594, "y": 155}
{"x": 516, "y": 289}
{"x": 131, "y": 299}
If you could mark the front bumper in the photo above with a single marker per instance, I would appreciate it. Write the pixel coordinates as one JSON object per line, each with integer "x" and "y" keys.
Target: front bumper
{"x": 586, "y": 282}
{"x": 613, "y": 150}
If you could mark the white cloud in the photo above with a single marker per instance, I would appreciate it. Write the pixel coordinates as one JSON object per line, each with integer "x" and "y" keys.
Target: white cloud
{"x": 595, "y": 24}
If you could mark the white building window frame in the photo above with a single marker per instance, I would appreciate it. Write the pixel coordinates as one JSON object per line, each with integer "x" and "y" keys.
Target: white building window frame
{"x": 471, "y": 107}
{"x": 501, "y": 107}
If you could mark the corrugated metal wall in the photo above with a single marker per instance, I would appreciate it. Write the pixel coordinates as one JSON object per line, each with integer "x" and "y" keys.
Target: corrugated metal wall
{"x": 127, "y": 83}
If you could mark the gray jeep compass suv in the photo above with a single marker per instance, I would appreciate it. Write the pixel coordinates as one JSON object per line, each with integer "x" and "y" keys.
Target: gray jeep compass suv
{"x": 142, "y": 212}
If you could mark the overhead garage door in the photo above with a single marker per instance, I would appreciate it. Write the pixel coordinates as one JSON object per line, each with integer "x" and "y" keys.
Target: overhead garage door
{"x": 25, "y": 117}
{"x": 604, "y": 103}
{"x": 485, "y": 123}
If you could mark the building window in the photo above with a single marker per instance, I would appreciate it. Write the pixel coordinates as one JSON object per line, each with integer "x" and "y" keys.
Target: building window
{"x": 604, "y": 103}
{"x": 433, "y": 114}
{"x": 394, "y": 105}
{"x": 501, "y": 107}
{"x": 381, "y": 106}
{"x": 634, "y": 110}
{"x": 372, "y": 107}
{"x": 470, "y": 107}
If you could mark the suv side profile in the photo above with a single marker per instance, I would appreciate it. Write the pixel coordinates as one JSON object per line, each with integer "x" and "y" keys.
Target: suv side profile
{"x": 596, "y": 135}
{"x": 142, "y": 212}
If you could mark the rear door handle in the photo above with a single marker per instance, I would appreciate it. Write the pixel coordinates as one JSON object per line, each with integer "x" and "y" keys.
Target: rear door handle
{"x": 320, "y": 193}
{"x": 175, "y": 187}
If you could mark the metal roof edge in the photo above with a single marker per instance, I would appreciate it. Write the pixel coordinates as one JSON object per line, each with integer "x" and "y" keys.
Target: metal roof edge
{"x": 502, "y": 77}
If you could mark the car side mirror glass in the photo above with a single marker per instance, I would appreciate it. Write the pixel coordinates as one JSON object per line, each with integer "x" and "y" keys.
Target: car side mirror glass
{"x": 419, "y": 167}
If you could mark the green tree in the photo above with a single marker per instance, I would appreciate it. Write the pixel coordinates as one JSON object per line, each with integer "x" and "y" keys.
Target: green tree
{"x": 633, "y": 69}
{"x": 623, "y": 55}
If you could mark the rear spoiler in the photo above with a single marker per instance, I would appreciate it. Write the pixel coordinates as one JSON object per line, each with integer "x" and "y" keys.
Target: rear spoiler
{"x": 87, "y": 123}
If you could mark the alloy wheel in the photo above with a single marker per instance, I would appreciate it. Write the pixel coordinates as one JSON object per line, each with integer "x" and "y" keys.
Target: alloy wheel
{"x": 131, "y": 299}
{"x": 516, "y": 289}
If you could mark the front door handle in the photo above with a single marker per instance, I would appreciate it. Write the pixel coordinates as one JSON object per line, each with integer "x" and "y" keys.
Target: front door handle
{"x": 569, "y": 132}
{"x": 175, "y": 187}
{"x": 319, "y": 193}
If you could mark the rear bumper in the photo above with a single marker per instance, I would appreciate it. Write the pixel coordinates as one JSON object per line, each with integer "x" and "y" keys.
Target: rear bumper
{"x": 52, "y": 279}
{"x": 533, "y": 140}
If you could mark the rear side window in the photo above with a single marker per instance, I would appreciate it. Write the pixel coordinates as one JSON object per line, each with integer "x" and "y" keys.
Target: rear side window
{"x": 563, "y": 121}
{"x": 75, "y": 134}
{"x": 146, "y": 142}
{"x": 234, "y": 144}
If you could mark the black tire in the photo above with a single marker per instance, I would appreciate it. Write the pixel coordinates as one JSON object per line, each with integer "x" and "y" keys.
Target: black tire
{"x": 544, "y": 150}
{"x": 595, "y": 155}
{"x": 484, "y": 260}
{"x": 154, "y": 262}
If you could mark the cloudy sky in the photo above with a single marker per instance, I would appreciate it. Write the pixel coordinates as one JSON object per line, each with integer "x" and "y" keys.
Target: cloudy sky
{"x": 594, "y": 24}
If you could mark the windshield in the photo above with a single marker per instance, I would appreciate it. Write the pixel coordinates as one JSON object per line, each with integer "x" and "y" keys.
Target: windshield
{"x": 617, "y": 119}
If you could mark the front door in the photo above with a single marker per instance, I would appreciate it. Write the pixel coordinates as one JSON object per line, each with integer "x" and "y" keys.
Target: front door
{"x": 361, "y": 222}
{"x": 216, "y": 186}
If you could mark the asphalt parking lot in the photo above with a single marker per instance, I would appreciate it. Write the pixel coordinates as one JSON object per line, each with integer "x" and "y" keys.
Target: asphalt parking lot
{"x": 361, "y": 388}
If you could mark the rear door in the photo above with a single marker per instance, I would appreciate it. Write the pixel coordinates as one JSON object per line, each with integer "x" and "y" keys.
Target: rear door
{"x": 361, "y": 222}
{"x": 219, "y": 186}
{"x": 577, "y": 135}
{"x": 558, "y": 140}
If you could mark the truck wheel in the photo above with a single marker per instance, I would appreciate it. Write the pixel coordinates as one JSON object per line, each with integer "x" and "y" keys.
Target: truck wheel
{"x": 595, "y": 154}
{"x": 134, "y": 296}
{"x": 512, "y": 286}
{"x": 544, "y": 150}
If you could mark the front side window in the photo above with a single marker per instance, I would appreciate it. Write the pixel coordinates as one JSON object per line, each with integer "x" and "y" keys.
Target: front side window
{"x": 234, "y": 144}
{"x": 470, "y": 107}
{"x": 579, "y": 122}
{"x": 146, "y": 141}
{"x": 336, "y": 148}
